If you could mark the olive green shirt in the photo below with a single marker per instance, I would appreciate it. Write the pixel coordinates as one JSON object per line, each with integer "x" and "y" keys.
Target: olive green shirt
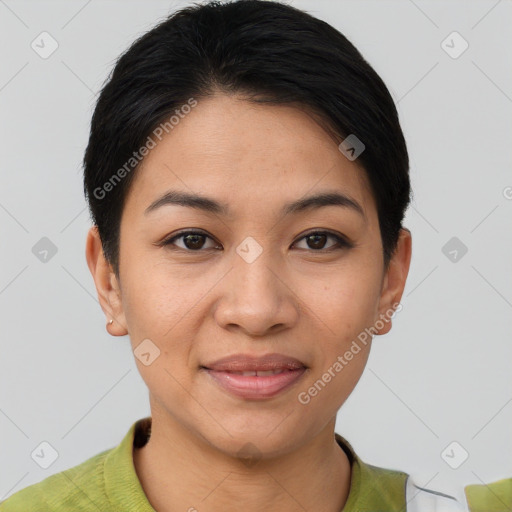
{"x": 107, "y": 482}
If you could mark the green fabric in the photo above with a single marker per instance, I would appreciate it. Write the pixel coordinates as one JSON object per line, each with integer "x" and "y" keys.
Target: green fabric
{"x": 373, "y": 489}
{"x": 107, "y": 482}
{"x": 493, "y": 497}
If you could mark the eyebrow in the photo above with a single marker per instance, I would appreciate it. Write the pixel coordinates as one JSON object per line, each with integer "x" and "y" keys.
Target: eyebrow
{"x": 209, "y": 205}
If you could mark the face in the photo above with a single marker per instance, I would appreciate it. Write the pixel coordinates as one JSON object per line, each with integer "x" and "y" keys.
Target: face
{"x": 250, "y": 277}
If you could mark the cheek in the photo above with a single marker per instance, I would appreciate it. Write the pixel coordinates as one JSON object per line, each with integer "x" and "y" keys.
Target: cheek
{"x": 160, "y": 308}
{"x": 347, "y": 303}
{"x": 334, "y": 380}
{"x": 153, "y": 302}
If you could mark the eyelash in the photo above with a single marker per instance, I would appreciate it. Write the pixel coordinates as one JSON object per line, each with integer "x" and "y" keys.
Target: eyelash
{"x": 341, "y": 243}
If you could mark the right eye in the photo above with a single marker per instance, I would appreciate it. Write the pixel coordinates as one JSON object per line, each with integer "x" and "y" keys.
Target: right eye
{"x": 193, "y": 241}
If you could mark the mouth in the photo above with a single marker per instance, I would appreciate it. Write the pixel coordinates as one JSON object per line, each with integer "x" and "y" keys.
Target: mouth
{"x": 258, "y": 373}
{"x": 256, "y": 378}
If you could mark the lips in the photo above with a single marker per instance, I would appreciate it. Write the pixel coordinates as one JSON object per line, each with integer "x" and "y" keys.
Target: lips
{"x": 249, "y": 363}
{"x": 259, "y": 373}
{"x": 251, "y": 377}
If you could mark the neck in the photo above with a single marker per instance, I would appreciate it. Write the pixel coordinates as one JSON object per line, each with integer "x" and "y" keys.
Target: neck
{"x": 182, "y": 471}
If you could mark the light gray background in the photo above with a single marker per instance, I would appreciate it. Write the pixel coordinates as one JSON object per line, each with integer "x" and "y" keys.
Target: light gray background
{"x": 442, "y": 374}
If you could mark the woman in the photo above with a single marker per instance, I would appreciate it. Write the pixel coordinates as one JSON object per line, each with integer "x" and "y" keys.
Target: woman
{"x": 247, "y": 177}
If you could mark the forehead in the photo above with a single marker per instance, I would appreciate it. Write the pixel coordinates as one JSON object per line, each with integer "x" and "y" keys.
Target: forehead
{"x": 247, "y": 154}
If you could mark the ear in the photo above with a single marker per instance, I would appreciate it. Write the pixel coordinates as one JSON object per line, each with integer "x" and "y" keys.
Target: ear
{"x": 107, "y": 286}
{"x": 394, "y": 280}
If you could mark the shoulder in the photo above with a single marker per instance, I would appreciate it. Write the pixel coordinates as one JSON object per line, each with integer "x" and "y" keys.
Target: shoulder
{"x": 493, "y": 497}
{"x": 107, "y": 481}
{"x": 78, "y": 488}
{"x": 373, "y": 487}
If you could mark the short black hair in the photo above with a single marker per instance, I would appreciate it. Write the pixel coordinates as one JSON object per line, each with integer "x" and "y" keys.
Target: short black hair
{"x": 272, "y": 53}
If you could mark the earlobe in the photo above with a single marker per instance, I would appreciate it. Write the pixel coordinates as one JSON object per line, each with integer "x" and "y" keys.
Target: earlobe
{"x": 394, "y": 282}
{"x": 108, "y": 290}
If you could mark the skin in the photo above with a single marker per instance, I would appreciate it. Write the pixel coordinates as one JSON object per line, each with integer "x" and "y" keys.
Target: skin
{"x": 200, "y": 304}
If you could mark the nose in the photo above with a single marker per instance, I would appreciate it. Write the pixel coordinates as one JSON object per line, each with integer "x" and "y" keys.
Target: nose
{"x": 256, "y": 297}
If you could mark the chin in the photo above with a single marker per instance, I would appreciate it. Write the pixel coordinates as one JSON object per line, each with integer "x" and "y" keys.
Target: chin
{"x": 264, "y": 441}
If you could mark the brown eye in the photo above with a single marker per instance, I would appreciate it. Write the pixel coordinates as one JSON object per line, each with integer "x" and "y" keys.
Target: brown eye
{"x": 316, "y": 241}
{"x": 192, "y": 241}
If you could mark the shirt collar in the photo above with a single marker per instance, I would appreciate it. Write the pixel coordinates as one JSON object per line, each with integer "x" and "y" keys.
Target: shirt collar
{"x": 122, "y": 484}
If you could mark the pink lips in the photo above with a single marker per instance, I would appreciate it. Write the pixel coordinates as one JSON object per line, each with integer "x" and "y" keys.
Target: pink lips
{"x": 264, "y": 376}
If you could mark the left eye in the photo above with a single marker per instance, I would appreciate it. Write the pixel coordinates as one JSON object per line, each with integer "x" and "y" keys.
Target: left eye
{"x": 318, "y": 239}
{"x": 193, "y": 241}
